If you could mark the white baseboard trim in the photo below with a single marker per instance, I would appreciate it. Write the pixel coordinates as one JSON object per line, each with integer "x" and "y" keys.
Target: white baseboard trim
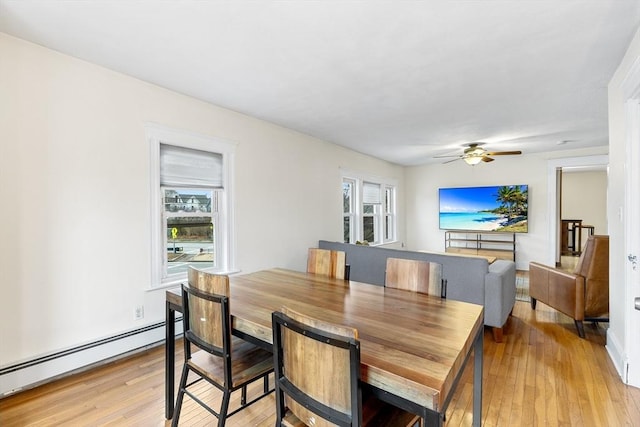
{"x": 36, "y": 371}
{"x": 616, "y": 354}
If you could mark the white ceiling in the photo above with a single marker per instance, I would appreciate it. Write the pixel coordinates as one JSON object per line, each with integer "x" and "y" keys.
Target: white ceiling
{"x": 402, "y": 81}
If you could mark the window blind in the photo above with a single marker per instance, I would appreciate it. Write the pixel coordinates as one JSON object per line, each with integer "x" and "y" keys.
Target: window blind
{"x": 181, "y": 166}
{"x": 371, "y": 193}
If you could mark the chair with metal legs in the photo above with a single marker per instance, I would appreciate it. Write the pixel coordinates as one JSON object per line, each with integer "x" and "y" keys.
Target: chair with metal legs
{"x": 226, "y": 362}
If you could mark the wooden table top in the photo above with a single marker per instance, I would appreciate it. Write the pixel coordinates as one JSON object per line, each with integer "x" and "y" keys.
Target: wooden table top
{"x": 412, "y": 345}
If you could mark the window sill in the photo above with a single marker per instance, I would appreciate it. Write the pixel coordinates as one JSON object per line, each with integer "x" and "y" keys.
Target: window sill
{"x": 175, "y": 283}
{"x": 391, "y": 242}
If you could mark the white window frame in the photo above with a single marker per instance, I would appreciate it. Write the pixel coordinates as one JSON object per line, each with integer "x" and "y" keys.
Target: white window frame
{"x": 379, "y": 215}
{"x": 157, "y": 135}
{"x": 389, "y": 216}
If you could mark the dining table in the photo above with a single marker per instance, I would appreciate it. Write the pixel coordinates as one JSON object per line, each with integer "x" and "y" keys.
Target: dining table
{"x": 414, "y": 347}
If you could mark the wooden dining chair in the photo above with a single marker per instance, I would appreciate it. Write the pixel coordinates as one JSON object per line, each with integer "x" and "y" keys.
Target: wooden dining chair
{"x": 327, "y": 263}
{"x": 226, "y": 362}
{"x": 415, "y": 275}
{"x": 317, "y": 376}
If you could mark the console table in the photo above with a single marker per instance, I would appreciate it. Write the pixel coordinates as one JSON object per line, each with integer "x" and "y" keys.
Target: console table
{"x": 487, "y": 244}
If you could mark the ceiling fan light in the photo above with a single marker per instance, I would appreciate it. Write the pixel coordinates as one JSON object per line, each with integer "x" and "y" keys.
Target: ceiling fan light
{"x": 473, "y": 160}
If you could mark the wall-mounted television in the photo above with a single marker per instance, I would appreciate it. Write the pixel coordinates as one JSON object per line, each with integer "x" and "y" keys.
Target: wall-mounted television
{"x": 493, "y": 208}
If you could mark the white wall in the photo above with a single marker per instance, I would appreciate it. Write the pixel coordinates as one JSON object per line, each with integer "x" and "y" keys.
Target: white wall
{"x": 616, "y": 341}
{"x": 422, "y": 183}
{"x": 74, "y": 186}
{"x": 584, "y": 196}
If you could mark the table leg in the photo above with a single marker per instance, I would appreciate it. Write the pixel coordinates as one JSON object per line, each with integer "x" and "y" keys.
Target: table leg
{"x": 478, "y": 349}
{"x": 169, "y": 360}
{"x": 432, "y": 418}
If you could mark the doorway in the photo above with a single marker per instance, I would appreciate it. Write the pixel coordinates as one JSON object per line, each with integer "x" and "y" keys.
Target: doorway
{"x": 583, "y": 210}
{"x": 555, "y": 169}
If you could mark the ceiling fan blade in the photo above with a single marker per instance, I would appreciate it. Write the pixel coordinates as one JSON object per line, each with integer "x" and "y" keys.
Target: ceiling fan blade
{"x": 449, "y": 161}
{"x": 444, "y": 157}
{"x": 474, "y": 150}
{"x": 503, "y": 153}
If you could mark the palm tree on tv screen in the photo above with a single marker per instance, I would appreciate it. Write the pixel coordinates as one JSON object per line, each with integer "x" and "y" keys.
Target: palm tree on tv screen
{"x": 513, "y": 200}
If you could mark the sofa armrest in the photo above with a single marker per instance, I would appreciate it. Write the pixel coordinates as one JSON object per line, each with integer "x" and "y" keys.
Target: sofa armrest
{"x": 500, "y": 292}
{"x": 557, "y": 288}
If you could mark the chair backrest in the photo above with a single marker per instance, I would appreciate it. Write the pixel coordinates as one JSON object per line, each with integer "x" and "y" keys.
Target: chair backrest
{"x": 206, "y": 315}
{"x": 317, "y": 370}
{"x": 326, "y": 262}
{"x": 593, "y": 265}
{"x": 414, "y": 275}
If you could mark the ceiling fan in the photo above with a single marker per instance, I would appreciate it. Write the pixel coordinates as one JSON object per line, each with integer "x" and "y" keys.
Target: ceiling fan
{"x": 475, "y": 154}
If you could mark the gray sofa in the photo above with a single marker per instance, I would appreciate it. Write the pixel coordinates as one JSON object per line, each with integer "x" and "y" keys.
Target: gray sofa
{"x": 469, "y": 279}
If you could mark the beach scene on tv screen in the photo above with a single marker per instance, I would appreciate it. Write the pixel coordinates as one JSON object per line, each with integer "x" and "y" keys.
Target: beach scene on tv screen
{"x": 497, "y": 208}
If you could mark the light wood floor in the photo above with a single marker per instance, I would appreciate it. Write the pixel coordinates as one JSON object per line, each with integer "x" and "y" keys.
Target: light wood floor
{"x": 541, "y": 375}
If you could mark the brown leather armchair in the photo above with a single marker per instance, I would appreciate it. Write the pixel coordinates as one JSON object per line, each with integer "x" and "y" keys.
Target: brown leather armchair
{"x": 582, "y": 295}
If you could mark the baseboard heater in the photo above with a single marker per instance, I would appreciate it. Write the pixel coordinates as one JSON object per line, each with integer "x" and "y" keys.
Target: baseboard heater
{"x": 42, "y": 369}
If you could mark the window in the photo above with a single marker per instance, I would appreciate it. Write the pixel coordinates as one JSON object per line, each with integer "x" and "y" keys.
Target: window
{"x": 191, "y": 203}
{"x": 189, "y": 218}
{"x": 369, "y": 210}
{"x": 348, "y": 189}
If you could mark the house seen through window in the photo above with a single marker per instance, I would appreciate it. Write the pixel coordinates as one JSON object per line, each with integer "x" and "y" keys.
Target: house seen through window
{"x": 190, "y": 216}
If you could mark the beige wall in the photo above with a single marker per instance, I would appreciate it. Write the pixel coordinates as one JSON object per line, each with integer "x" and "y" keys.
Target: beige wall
{"x": 74, "y": 185}
{"x": 422, "y": 183}
{"x": 74, "y": 174}
{"x": 584, "y": 196}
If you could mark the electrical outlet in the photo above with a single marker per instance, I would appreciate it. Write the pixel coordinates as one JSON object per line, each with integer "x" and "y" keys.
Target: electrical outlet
{"x": 138, "y": 312}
